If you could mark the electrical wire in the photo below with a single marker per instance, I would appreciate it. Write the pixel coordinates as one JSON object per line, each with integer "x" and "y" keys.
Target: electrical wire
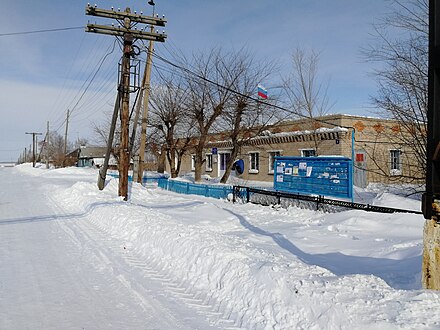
{"x": 73, "y": 93}
{"x": 87, "y": 87}
{"x": 40, "y": 31}
{"x": 258, "y": 101}
{"x": 98, "y": 95}
{"x": 93, "y": 77}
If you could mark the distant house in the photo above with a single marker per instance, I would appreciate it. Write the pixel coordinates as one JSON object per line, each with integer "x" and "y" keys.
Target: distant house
{"x": 90, "y": 156}
{"x": 378, "y": 155}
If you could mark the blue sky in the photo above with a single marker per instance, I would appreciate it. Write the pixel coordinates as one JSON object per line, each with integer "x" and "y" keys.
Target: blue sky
{"x": 42, "y": 75}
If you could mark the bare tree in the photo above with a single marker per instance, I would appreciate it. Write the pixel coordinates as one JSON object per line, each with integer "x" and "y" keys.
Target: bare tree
{"x": 55, "y": 148}
{"x": 101, "y": 132}
{"x": 243, "y": 117}
{"x": 402, "y": 76}
{"x": 168, "y": 116}
{"x": 208, "y": 95}
{"x": 306, "y": 93}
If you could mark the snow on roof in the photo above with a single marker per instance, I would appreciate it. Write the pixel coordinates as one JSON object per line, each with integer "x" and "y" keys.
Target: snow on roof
{"x": 268, "y": 133}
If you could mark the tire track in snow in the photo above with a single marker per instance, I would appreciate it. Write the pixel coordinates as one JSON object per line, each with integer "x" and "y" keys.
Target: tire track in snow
{"x": 142, "y": 277}
{"x": 177, "y": 292}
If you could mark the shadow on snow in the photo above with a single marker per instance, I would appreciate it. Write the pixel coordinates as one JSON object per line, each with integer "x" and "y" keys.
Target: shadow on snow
{"x": 399, "y": 274}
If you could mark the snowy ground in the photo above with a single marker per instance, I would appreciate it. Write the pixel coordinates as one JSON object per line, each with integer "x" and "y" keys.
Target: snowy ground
{"x": 72, "y": 256}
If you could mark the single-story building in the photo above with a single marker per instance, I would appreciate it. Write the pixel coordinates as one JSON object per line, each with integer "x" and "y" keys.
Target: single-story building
{"x": 374, "y": 144}
{"x": 91, "y": 156}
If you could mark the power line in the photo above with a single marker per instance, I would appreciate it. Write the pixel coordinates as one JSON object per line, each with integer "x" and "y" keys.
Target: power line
{"x": 92, "y": 77}
{"x": 40, "y": 31}
{"x": 239, "y": 93}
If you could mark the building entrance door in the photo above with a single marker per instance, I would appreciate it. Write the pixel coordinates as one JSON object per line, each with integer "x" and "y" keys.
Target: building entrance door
{"x": 360, "y": 169}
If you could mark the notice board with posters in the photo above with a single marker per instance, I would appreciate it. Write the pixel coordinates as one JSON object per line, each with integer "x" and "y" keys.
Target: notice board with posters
{"x": 324, "y": 176}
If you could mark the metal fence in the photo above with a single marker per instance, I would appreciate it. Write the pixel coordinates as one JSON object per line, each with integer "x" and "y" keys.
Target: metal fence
{"x": 271, "y": 197}
{"x": 145, "y": 179}
{"x": 215, "y": 191}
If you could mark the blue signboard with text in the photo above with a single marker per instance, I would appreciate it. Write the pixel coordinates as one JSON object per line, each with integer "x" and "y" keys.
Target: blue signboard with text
{"x": 324, "y": 176}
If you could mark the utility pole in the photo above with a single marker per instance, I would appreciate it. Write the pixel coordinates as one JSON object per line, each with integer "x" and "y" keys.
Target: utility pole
{"x": 124, "y": 160}
{"x": 129, "y": 35}
{"x": 431, "y": 198}
{"x": 37, "y": 156}
{"x": 103, "y": 169}
{"x": 46, "y": 145}
{"x": 145, "y": 111}
{"x": 65, "y": 138}
{"x": 34, "y": 134}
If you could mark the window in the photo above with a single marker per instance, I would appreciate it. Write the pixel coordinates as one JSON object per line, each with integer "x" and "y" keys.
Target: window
{"x": 224, "y": 159}
{"x": 193, "y": 162}
{"x": 254, "y": 162}
{"x": 308, "y": 153}
{"x": 272, "y": 155}
{"x": 208, "y": 162}
{"x": 395, "y": 163}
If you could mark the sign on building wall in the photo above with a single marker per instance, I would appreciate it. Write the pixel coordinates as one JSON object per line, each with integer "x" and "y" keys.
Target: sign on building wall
{"x": 325, "y": 176}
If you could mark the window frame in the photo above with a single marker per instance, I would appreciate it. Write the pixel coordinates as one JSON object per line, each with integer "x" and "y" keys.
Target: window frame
{"x": 208, "y": 168}
{"x": 271, "y": 160}
{"x": 193, "y": 162}
{"x": 308, "y": 150}
{"x": 254, "y": 167}
{"x": 395, "y": 162}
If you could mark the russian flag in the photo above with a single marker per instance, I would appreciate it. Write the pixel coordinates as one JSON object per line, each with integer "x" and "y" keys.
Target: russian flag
{"x": 262, "y": 92}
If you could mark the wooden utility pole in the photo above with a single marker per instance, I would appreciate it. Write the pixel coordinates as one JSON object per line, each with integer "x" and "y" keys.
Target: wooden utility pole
{"x": 135, "y": 123}
{"x": 46, "y": 145}
{"x": 145, "y": 111}
{"x": 103, "y": 169}
{"x": 431, "y": 198}
{"x": 37, "y": 156}
{"x": 34, "y": 134}
{"x": 129, "y": 35}
{"x": 124, "y": 160}
{"x": 65, "y": 138}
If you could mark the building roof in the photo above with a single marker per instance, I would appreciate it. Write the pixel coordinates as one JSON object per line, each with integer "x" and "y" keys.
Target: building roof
{"x": 92, "y": 152}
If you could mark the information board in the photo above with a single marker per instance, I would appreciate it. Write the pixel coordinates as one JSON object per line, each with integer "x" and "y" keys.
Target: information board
{"x": 324, "y": 176}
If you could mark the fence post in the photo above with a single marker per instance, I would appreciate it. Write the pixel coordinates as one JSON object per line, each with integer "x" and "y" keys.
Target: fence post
{"x": 233, "y": 193}
{"x": 247, "y": 194}
{"x": 278, "y": 198}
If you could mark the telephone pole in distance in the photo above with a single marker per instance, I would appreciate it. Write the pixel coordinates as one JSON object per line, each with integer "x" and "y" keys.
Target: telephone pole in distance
{"x": 34, "y": 134}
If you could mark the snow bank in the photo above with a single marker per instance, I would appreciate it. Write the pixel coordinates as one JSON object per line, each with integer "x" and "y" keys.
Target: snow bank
{"x": 272, "y": 268}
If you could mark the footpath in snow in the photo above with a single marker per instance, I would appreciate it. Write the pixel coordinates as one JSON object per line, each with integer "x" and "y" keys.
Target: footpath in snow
{"x": 230, "y": 265}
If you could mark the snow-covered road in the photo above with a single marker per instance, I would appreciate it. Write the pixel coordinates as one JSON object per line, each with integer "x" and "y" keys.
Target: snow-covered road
{"x": 73, "y": 257}
{"x": 60, "y": 272}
